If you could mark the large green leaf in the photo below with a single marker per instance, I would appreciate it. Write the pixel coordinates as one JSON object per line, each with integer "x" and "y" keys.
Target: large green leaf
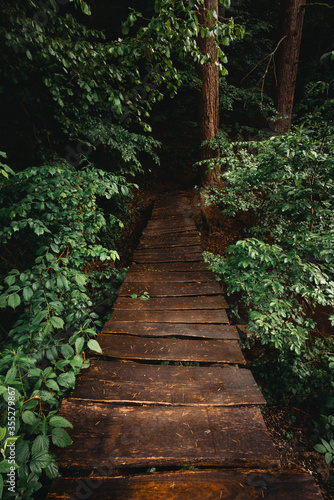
{"x": 58, "y": 421}
{"x": 60, "y": 437}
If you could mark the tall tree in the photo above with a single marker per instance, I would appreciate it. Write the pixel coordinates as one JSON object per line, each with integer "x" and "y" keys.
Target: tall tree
{"x": 291, "y": 28}
{"x": 209, "y": 75}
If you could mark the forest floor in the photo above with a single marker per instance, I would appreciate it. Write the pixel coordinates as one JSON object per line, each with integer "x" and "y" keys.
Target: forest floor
{"x": 290, "y": 427}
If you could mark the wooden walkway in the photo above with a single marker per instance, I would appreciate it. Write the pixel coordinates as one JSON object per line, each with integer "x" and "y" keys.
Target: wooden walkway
{"x": 131, "y": 412}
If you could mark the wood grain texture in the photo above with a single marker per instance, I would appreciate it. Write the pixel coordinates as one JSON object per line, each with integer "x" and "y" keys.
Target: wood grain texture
{"x": 162, "y": 349}
{"x": 224, "y": 332}
{"x": 167, "y": 256}
{"x": 171, "y": 303}
{"x": 231, "y": 484}
{"x": 170, "y": 277}
{"x": 181, "y": 316}
{"x": 176, "y": 289}
{"x": 134, "y": 383}
{"x": 169, "y": 267}
{"x": 168, "y": 241}
{"x": 142, "y": 436}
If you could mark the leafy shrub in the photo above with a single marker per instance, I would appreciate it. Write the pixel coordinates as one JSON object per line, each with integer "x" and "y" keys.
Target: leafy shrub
{"x": 283, "y": 270}
{"x": 52, "y": 227}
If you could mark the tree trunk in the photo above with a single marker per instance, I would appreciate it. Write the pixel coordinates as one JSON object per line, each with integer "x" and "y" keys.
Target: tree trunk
{"x": 291, "y": 28}
{"x": 209, "y": 96}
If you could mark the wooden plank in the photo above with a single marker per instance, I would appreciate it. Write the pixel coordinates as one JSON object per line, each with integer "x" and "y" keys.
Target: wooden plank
{"x": 168, "y": 256}
{"x": 177, "y": 212}
{"x": 169, "y": 241}
{"x": 142, "y": 436}
{"x": 134, "y": 383}
{"x": 168, "y": 230}
{"x": 172, "y": 303}
{"x": 226, "y": 332}
{"x": 180, "y": 289}
{"x": 169, "y": 267}
{"x": 188, "y": 316}
{"x": 168, "y": 222}
{"x": 229, "y": 484}
{"x": 172, "y": 277}
{"x": 178, "y": 252}
{"x": 162, "y": 349}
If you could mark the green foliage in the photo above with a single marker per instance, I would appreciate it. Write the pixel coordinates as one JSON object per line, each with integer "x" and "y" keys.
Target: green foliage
{"x": 56, "y": 212}
{"x": 282, "y": 272}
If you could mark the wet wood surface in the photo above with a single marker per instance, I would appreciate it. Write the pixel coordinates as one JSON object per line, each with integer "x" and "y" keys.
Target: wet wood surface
{"x": 144, "y": 329}
{"x": 172, "y": 303}
{"x": 169, "y": 289}
{"x": 148, "y": 436}
{"x": 198, "y": 408}
{"x": 169, "y": 267}
{"x": 170, "y": 277}
{"x": 176, "y": 316}
{"x": 241, "y": 484}
{"x": 201, "y": 350}
{"x": 167, "y": 385}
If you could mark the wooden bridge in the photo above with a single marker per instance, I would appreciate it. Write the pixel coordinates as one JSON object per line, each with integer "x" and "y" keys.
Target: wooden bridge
{"x": 139, "y": 410}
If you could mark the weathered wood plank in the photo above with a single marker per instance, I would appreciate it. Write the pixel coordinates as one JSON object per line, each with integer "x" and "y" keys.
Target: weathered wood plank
{"x": 180, "y": 289}
{"x": 162, "y": 349}
{"x": 182, "y": 316}
{"x": 170, "y": 222}
{"x": 168, "y": 267}
{"x": 168, "y": 241}
{"x": 172, "y": 277}
{"x": 193, "y": 485}
{"x": 224, "y": 332}
{"x": 168, "y": 230}
{"x": 134, "y": 383}
{"x": 179, "y": 251}
{"x": 172, "y": 303}
{"x": 139, "y": 436}
{"x": 168, "y": 256}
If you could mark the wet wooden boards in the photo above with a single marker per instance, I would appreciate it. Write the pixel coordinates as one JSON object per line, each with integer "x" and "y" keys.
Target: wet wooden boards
{"x": 192, "y": 485}
{"x": 130, "y": 411}
{"x": 111, "y": 382}
{"x": 145, "y": 329}
{"x": 205, "y": 351}
{"x": 171, "y": 289}
{"x": 142, "y": 436}
{"x": 171, "y": 303}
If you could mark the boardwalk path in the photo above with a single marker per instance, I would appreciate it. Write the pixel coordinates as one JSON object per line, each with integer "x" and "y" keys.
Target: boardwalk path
{"x": 132, "y": 412}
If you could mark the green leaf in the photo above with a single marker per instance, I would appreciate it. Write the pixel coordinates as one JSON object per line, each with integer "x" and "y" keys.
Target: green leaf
{"x": 52, "y": 470}
{"x": 85, "y": 8}
{"x": 41, "y": 443}
{"x": 328, "y": 457}
{"x": 320, "y": 448}
{"x": 2, "y": 433}
{"x": 57, "y": 421}
{"x": 22, "y": 452}
{"x": 27, "y": 293}
{"x": 79, "y": 343}
{"x": 11, "y": 375}
{"x": 94, "y": 346}
{"x": 66, "y": 380}
{"x": 14, "y": 300}
{"x": 40, "y": 460}
{"x": 29, "y": 417}
{"x": 57, "y": 322}
{"x": 4, "y": 466}
{"x": 52, "y": 384}
{"x": 60, "y": 437}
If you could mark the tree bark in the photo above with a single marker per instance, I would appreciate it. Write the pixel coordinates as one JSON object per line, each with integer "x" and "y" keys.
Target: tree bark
{"x": 286, "y": 60}
{"x": 209, "y": 96}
